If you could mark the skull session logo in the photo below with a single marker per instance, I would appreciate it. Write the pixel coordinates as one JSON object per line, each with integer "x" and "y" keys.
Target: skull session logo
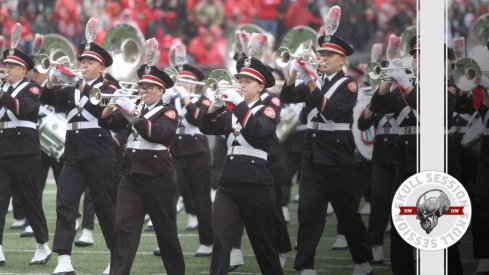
{"x": 431, "y": 210}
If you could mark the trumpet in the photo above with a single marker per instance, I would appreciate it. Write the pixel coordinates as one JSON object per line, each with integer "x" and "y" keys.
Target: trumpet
{"x": 98, "y": 98}
{"x": 44, "y": 64}
{"x": 285, "y": 56}
{"x": 467, "y": 74}
{"x": 376, "y": 71}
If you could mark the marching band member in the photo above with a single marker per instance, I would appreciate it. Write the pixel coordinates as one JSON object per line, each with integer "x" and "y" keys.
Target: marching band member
{"x": 192, "y": 157}
{"x": 20, "y": 151}
{"x": 328, "y": 157}
{"x": 148, "y": 182}
{"x": 89, "y": 157}
{"x": 246, "y": 187}
{"x": 402, "y": 101}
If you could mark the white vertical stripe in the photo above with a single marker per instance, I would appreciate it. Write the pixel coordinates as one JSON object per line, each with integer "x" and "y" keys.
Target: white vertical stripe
{"x": 431, "y": 18}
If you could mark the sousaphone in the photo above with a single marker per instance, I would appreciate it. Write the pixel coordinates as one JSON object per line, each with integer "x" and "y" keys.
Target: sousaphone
{"x": 126, "y": 43}
{"x": 56, "y": 46}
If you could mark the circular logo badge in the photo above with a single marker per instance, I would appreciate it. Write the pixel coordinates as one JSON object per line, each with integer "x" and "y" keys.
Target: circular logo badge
{"x": 431, "y": 210}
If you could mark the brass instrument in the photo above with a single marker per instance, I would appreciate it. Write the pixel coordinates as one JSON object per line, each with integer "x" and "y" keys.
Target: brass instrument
{"x": 44, "y": 64}
{"x": 126, "y": 42}
{"x": 98, "y": 98}
{"x": 56, "y": 46}
{"x": 376, "y": 71}
{"x": 285, "y": 56}
{"x": 173, "y": 74}
{"x": 467, "y": 74}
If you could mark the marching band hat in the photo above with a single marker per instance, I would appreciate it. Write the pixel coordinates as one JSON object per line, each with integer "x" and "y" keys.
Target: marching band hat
{"x": 18, "y": 57}
{"x": 413, "y": 45}
{"x": 190, "y": 72}
{"x": 154, "y": 75}
{"x": 254, "y": 68}
{"x": 335, "y": 44}
{"x": 96, "y": 52}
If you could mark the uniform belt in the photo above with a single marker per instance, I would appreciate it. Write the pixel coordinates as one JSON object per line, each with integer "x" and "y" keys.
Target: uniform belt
{"x": 457, "y": 129}
{"x": 301, "y": 127}
{"x": 248, "y": 151}
{"x": 386, "y": 131}
{"x": 144, "y": 145}
{"x": 188, "y": 131}
{"x": 82, "y": 125}
{"x": 408, "y": 130}
{"x": 328, "y": 126}
{"x": 18, "y": 123}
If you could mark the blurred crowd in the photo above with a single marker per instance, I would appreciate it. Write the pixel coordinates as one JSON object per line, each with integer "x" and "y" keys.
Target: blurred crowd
{"x": 461, "y": 15}
{"x": 205, "y": 25}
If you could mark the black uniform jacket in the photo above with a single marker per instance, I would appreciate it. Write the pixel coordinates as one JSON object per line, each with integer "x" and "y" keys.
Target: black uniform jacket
{"x": 186, "y": 144}
{"x": 159, "y": 128}
{"x": 395, "y": 102}
{"x": 24, "y": 106}
{"x": 274, "y": 101}
{"x": 81, "y": 143}
{"x": 384, "y": 151}
{"x": 327, "y": 147}
{"x": 258, "y": 130}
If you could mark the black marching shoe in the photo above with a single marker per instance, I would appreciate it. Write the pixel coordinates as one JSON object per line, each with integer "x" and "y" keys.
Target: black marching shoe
{"x": 157, "y": 252}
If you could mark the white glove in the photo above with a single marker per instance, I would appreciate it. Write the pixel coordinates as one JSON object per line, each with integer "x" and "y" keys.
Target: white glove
{"x": 113, "y": 100}
{"x": 66, "y": 79}
{"x": 297, "y": 67}
{"x": 302, "y": 73}
{"x": 400, "y": 77}
{"x": 125, "y": 105}
{"x": 231, "y": 95}
{"x": 182, "y": 92}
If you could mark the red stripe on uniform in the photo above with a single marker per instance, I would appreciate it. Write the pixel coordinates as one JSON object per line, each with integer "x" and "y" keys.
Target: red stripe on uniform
{"x": 255, "y": 73}
{"x": 335, "y": 47}
{"x": 154, "y": 79}
{"x": 17, "y": 106}
{"x": 148, "y": 130}
{"x": 196, "y": 113}
{"x": 323, "y": 103}
{"x": 245, "y": 119}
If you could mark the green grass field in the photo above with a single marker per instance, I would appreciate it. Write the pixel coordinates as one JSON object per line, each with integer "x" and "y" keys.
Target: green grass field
{"x": 93, "y": 260}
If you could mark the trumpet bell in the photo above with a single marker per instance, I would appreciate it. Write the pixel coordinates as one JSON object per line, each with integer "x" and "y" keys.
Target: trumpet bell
{"x": 43, "y": 63}
{"x": 374, "y": 70}
{"x": 283, "y": 57}
{"x": 211, "y": 85}
{"x": 467, "y": 74}
{"x": 95, "y": 96}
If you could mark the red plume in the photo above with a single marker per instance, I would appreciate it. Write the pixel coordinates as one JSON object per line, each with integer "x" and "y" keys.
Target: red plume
{"x": 332, "y": 20}
{"x": 376, "y": 52}
{"x": 256, "y": 44}
{"x": 392, "y": 47}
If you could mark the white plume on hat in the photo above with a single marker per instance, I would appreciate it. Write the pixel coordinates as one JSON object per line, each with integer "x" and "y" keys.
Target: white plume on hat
{"x": 37, "y": 45}
{"x": 150, "y": 51}
{"x": 256, "y": 45}
{"x": 377, "y": 49}
{"x": 91, "y": 30}
{"x": 242, "y": 39}
{"x": 392, "y": 47}
{"x": 332, "y": 20}
{"x": 15, "y": 37}
{"x": 459, "y": 47}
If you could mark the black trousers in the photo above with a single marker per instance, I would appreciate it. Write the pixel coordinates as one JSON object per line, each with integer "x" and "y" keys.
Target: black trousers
{"x": 254, "y": 205}
{"x": 46, "y": 162}
{"x": 18, "y": 177}
{"x": 380, "y": 201}
{"x": 319, "y": 185}
{"x": 280, "y": 231}
{"x": 139, "y": 194}
{"x": 88, "y": 215}
{"x": 194, "y": 180}
{"x": 97, "y": 174}
{"x": 291, "y": 163}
